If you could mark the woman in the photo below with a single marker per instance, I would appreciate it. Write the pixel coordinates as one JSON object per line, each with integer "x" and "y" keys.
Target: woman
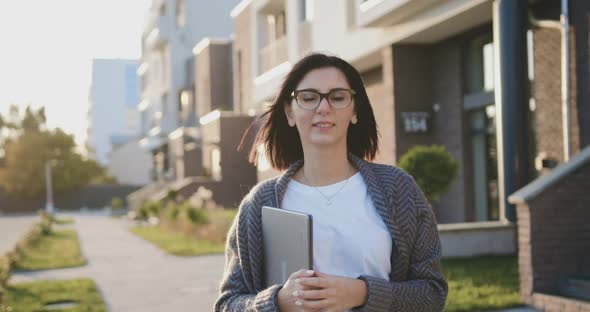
{"x": 376, "y": 245}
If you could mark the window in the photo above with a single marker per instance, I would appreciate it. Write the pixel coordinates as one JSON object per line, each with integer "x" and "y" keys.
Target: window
{"x": 488, "y": 67}
{"x": 276, "y": 26}
{"x": 164, "y": 106}
{"x": 281, "y": 25}
{"x": 482, "y": 136}
{"x": 180, "y": 13}
{"x": 479, "y": 64}
{"x": 306, "y": 10}
{"x": 216, "y": 164}
{"x": 184, "y": 104}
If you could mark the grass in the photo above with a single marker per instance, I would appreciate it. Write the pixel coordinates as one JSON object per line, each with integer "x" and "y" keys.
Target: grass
{"x": 228, "y": 214}
{"x": 61, "y": 220}
{"x": 58, "y": 249}
{"x": 482, "y": 283}
{"x": 177, "y": 243}
{"x": 33, "y": 296}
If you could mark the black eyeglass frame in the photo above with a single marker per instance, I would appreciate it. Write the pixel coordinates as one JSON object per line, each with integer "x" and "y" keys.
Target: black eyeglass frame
{"x": 322, "y": 96}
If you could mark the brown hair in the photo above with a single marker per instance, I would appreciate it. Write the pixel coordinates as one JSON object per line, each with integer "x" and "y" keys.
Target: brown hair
{"x": 283, "y": 144}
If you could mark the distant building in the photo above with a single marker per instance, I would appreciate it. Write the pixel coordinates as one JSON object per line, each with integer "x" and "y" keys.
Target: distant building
{"x": 172, "y": 29}
{"x": 130, "y": 164}
{"x": 112, "y": 112}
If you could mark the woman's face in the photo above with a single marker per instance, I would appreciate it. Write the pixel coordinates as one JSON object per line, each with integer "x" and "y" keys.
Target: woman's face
{"x": 323, "y": 126}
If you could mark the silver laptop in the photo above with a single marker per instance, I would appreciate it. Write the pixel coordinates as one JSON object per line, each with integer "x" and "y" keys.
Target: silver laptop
{"x": 287, "y": 237}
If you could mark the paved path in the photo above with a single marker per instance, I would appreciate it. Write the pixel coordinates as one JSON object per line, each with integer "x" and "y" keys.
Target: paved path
{"x": 12, "y": 228}
{"x": 133, "y": 275}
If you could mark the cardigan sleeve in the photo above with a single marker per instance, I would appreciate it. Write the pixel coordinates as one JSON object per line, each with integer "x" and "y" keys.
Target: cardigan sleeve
{"x": 426, "y": 288}
{"x": 234, "y": 293}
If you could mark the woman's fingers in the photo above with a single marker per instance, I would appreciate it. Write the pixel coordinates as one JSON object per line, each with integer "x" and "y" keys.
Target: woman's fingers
{"x": 301, "y": 273}
{"x": 313, "y": 282}
{"x": 312, "y": 294}
{"x": 311, "y": 304}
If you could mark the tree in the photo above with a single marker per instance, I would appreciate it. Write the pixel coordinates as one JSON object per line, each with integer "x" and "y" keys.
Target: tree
{"x": 31, "y": 146}
{"x": 432, "y": 167}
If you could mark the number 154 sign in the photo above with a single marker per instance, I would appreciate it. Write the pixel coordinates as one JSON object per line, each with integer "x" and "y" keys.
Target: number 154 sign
{"x": 415, "y": 122}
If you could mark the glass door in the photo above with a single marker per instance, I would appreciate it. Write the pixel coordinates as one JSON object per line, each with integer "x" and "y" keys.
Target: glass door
{"x": 482, "y": 137}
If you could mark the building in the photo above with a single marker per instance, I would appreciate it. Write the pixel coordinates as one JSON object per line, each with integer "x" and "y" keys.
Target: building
{"x": 203, "y": 152}
{"x": 430, "y": 68}
{"x": 188, "y": 123}
{"x": 130, "y": 164}
{"x": 484, "y": 79}
{"x": 173, "y": 28}
{"x": 112, "y": 111}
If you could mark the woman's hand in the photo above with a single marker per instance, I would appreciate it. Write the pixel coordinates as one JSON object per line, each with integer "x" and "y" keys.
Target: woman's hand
{"x": 331, "y": 294}
{"x": 286, "y": 299}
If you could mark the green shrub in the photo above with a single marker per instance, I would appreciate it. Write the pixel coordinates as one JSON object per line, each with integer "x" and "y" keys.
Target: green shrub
{"x": 197, "y": 216}
{"x": 149, "y": 209}
{"x": 155, "y": 208}
{"x": 8, "y": 261}
{"x": 433, "y": 168}
{"x": 45, "y": 226}
{"x": 5, "y": 266}
{"x": 46, "y": 221}
{"x": 172, "y": 195}
{"x": 172, "y": 211}
{"x": 143, "y": 212}
{"x": 117, "y": 203}
{"x": 194, "y": 215}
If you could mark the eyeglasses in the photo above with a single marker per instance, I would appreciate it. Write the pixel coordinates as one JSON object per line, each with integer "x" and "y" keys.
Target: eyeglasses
{"x": 310, "y": 99}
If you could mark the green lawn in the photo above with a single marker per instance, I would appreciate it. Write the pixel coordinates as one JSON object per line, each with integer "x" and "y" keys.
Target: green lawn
{"x": 177, "y": 243}
{"x": 63, "y": 220}
{"x": 33, "y": 296}
{"x": 482, "y": 283}
{"x": 58, "y": 249}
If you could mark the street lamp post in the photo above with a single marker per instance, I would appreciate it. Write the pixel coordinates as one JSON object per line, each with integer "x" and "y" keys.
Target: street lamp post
{"x": 49, "y": 198}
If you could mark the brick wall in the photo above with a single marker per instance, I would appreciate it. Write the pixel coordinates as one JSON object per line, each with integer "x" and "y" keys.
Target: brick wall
{"x": 423, "y": 75}
{"x": 381, "y": 101}
{"x": 213, "y": 78}
{"x": 221, "y": 76}
{"x": 243, "y": 73}
{"x": 555, "y": 303}
{"x": 547, "y": 94}
{"x": 447, "y": 92}
{"x": 554, "y": 236}
{"x": 202, "y": 65}
{"x": 412, "y": 80}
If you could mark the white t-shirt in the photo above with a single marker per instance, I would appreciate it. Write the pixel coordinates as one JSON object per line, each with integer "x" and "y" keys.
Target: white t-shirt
{"x": 349, "y": 236}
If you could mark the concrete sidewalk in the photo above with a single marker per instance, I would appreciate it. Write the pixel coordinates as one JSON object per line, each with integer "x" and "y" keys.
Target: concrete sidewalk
{"x": 134, "y": 275}
{"x": 12, "y": 228}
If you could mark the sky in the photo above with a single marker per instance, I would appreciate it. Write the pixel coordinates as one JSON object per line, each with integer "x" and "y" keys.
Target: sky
{"x": 47, "y": 47}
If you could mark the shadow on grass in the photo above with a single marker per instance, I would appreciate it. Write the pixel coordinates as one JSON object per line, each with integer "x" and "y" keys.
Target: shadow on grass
{"x": 482, "y": 283}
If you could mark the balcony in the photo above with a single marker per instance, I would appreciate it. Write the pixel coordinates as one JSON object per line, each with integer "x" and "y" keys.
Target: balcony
{"x": 159, "y": 34}
{"x": 383, "y": 13}
{"x": 273, "y": 54}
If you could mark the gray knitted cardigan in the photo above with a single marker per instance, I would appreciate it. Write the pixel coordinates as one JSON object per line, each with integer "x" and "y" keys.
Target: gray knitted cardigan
{"x": 415, "y": 283}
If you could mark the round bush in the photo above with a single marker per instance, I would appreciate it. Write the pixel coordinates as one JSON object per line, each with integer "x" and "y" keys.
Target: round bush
{"x": 433, "y": 168}
{"x": 143, "y": 213}
{"x": 195, "y": 215}
{"x": 172, "y": 211}
{"x": 154, "y": 208}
